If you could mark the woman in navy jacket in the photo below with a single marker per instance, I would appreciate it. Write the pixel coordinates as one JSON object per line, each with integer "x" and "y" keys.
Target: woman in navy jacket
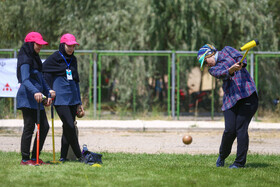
{"x": 30, "y": 93}
{"x": 61, "y": 72}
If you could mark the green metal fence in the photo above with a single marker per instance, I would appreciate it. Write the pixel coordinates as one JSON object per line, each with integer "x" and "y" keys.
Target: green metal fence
{"x": 93, "y": 59}
{"x": 267, "y": 76}
{"x": 100, "y": 54}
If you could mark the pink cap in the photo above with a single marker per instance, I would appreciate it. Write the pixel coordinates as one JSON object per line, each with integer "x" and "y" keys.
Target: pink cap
{"x": 35, "y": 37}
{"x": 68, "y": 39}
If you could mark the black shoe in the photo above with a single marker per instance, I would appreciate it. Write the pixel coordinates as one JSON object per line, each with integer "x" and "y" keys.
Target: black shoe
{"x": 234, "y": 166}
{"x": 63, "y": 160}
{"x": 220, "y": 162}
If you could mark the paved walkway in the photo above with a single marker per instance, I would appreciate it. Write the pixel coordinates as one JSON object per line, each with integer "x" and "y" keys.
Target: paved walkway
{"x": 153, "y": 137}
{"x": 141, "y": 125}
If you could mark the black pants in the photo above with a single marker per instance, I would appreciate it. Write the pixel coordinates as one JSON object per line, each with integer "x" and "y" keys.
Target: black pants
{"x": 237, "y": 121}
{"x": 67, "y": 115}
{"x": 29, "y": 120}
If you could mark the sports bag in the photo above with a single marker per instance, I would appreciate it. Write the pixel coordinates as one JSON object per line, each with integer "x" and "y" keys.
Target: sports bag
{"x": 91, "y": 157}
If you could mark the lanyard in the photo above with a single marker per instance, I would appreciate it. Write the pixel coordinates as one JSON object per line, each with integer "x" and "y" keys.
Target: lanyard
{"x": 68, "y": 64}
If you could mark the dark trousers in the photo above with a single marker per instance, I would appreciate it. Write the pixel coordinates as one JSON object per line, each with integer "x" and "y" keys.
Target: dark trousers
{"x": 67, "y": 115}
{"x": 29, "y": 120}
{"x": 237, "y": 121}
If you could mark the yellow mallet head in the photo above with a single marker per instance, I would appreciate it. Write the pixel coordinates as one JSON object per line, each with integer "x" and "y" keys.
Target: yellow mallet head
{"x": 249, "y": 45}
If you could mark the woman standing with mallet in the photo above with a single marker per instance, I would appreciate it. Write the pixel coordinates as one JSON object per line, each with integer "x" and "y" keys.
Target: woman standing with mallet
{"x": 61, "y": 72}
{"x": 30, "y": 95}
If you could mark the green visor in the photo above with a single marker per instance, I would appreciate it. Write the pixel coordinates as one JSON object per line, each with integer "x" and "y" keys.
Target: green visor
{"x": 201, "y": 60}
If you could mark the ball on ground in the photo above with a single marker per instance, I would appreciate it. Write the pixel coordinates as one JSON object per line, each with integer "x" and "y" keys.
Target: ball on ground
{"x": 187, "y": 139}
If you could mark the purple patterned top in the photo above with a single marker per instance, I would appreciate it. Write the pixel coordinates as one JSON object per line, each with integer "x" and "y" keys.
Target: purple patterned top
{"x": 237, "y": 86}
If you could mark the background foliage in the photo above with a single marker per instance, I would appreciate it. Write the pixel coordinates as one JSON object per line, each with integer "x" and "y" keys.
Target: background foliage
{"x": 141, "y": 25}
{"x": 152, "y": 25}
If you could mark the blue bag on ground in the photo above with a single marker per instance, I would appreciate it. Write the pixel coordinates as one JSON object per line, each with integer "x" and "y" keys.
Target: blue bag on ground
{"x": 90, "y": 157}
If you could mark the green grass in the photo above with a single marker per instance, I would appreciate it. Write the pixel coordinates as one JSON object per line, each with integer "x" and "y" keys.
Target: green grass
{"x": 120, "y": 169}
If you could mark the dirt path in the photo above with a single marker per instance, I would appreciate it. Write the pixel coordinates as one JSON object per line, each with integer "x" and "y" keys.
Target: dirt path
{"x": 204, "y": 141}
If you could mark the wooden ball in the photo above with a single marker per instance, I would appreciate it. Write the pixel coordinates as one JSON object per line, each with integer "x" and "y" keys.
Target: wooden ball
{"x": 80, "y": 114}
{"x": 187, "y": 139}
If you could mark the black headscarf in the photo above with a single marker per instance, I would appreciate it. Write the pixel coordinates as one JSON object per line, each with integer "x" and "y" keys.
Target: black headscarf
{"x": 56, "y": 65}
{"x": 27, "y": 55}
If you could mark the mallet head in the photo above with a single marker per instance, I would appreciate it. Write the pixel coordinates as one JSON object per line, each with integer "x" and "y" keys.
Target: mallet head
{"x": 249, "y": 45}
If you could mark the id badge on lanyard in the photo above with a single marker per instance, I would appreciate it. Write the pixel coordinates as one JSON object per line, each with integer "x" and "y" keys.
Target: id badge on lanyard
{"x": 69, "y": 74}
{"x": 68, "y": 71}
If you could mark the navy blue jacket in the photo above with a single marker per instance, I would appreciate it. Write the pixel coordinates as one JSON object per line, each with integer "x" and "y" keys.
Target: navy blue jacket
{"x": 30, "y": 76}
{"x": 67, "y": 91}
{"x": 54, "y": 69}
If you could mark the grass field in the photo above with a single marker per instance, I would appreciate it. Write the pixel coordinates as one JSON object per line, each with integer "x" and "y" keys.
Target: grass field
{"x": 120, "y": 169}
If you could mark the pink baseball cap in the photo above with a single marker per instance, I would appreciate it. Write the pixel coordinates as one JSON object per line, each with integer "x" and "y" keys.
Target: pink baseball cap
{"x": 68, "y": 39}
{"x": 35, "y": 37}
